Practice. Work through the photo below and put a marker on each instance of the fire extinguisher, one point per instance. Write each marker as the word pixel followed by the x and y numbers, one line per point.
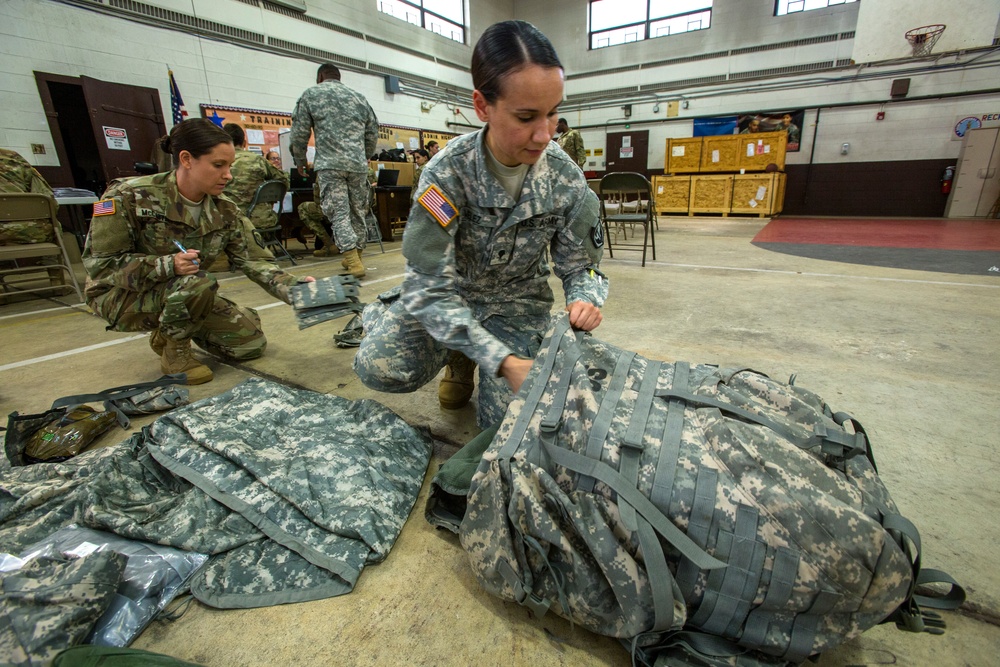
pixel 949 175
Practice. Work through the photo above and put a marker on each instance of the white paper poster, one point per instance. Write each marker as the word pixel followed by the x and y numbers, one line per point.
pixel 715 155
pixel 677 151
pixel 625 152
pixel 761 192
pixel 753 203
pixel 255 137
pixel 750 150
pixel 117 138
pixel 626 141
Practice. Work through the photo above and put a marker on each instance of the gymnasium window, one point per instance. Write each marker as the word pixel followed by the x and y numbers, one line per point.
pixel 782 7
pixel 614 22
pixel 443 17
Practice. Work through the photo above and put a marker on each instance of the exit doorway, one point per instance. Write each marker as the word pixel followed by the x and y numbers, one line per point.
pixel 100 129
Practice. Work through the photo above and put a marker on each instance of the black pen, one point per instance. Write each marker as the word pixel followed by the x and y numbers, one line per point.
pixel 183 249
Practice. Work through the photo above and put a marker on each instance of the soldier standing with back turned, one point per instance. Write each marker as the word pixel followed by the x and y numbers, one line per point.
pixel 346 131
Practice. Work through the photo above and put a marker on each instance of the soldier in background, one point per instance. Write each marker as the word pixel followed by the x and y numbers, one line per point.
pixel 17 175
pixel 249 170
pixel 151 238
pixel 490 212
pixel 432 148
pixel 571 142
pixel 346 131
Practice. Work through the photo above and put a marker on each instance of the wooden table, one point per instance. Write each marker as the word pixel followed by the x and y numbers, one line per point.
pixel 391 203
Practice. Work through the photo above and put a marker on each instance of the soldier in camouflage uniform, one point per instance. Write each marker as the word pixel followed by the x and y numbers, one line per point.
pixel 138 281
pixel 249 170
pixel 571 142
pixel 490 208
pixel 346 132
pixel 17 175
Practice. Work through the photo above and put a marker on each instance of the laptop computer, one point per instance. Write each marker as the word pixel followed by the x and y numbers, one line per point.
pixel 387 178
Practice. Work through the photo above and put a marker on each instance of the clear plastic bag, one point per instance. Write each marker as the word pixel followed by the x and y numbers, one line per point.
pixel 154 576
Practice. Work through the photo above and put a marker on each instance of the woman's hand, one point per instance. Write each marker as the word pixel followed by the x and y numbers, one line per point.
pixel 514 370
pixel 186 263
pixel 584 315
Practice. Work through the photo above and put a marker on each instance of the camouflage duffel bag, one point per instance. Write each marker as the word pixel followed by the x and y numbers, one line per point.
pixel 702 516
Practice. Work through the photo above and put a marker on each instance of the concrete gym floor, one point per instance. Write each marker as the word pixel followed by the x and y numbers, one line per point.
pixel 912 354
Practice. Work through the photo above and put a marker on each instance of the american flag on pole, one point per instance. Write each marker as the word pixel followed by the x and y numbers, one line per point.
pixel 438 205
pixel 176 102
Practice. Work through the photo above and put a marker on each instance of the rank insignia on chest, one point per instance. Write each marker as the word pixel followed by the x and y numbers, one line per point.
pixel 104 207
pixel 438 205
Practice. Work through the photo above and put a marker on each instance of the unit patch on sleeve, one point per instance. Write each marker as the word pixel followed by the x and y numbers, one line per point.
pixel 104 207
pixel 438 205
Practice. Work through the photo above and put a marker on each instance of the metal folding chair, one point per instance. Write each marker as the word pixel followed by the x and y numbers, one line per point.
pixel 272 238
pixel 617 189
pixel 14 269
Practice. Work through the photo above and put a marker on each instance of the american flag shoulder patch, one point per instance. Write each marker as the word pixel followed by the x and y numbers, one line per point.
pixel 438 205
pixel 104 207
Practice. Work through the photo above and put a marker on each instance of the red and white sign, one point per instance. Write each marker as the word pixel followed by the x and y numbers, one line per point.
pixel 117 138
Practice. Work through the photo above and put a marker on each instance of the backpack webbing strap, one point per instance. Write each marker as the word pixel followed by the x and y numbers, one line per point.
pixel 779 592
pixel 840 445
pixel 661 581
pixel 606 413
pixel 630 451
pixel 725 605
pixel 670 441
pixel 806 626
pixel 107 396
pixel 538 387
pixel 699 522
pixel 608 475
pixel 538 606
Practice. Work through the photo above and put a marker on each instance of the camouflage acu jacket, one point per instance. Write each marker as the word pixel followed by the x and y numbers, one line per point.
pixel 131 246
pixel 480 253
pixel 17 175
pixel 250 170
pixel 572 143
pixel 345 126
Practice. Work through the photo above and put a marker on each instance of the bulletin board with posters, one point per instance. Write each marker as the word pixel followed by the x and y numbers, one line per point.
pixel 392 137
pixel 260 126
pixel 441 137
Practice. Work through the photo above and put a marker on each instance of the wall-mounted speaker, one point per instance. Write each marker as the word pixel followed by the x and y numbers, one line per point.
pixel 391 83
pixel 900 88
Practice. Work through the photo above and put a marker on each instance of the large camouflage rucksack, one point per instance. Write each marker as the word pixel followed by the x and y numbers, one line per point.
pixel 702 516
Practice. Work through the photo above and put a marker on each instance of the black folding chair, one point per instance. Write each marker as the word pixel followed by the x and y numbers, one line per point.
pixel 622 188
pixel 272 238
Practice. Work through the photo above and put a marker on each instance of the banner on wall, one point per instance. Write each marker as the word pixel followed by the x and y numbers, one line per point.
pixel 770 121
pixel 261 127
pixel 441 137
pixel 775 121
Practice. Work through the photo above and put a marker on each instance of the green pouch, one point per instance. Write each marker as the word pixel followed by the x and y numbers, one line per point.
pixel 67 435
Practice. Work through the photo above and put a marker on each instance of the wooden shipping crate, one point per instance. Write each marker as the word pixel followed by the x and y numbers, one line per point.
pixel 779 193
pixel 721 153
pixel 759 149
pixel 754 193
pixel 671 194
pixel 683 155
pixel 711 194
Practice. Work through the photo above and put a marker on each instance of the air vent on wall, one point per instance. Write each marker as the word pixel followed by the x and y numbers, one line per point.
pixel 320 54
pixel 778 71
pixel 785 45
pixel 602 94
pixel 396 47
pixel 176 18
pixel 684 83
pixel 685 59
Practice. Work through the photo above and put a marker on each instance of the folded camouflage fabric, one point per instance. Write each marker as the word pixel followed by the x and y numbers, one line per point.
pixel 291 491
pixel 325 299
pixel 446 503
pixel 51 604
pixel 351 334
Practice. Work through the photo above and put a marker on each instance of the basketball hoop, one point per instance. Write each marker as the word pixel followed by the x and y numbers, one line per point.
pixel 924 38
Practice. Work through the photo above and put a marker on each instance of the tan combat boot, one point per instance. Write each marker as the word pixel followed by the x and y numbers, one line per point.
pixel 344 263
pixel 329 248
pixel 456 386
pixel 176 358
pixel 352 262
pixel 157 341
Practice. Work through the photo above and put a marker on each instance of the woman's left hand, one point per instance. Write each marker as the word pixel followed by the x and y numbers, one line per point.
pixel 584 315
